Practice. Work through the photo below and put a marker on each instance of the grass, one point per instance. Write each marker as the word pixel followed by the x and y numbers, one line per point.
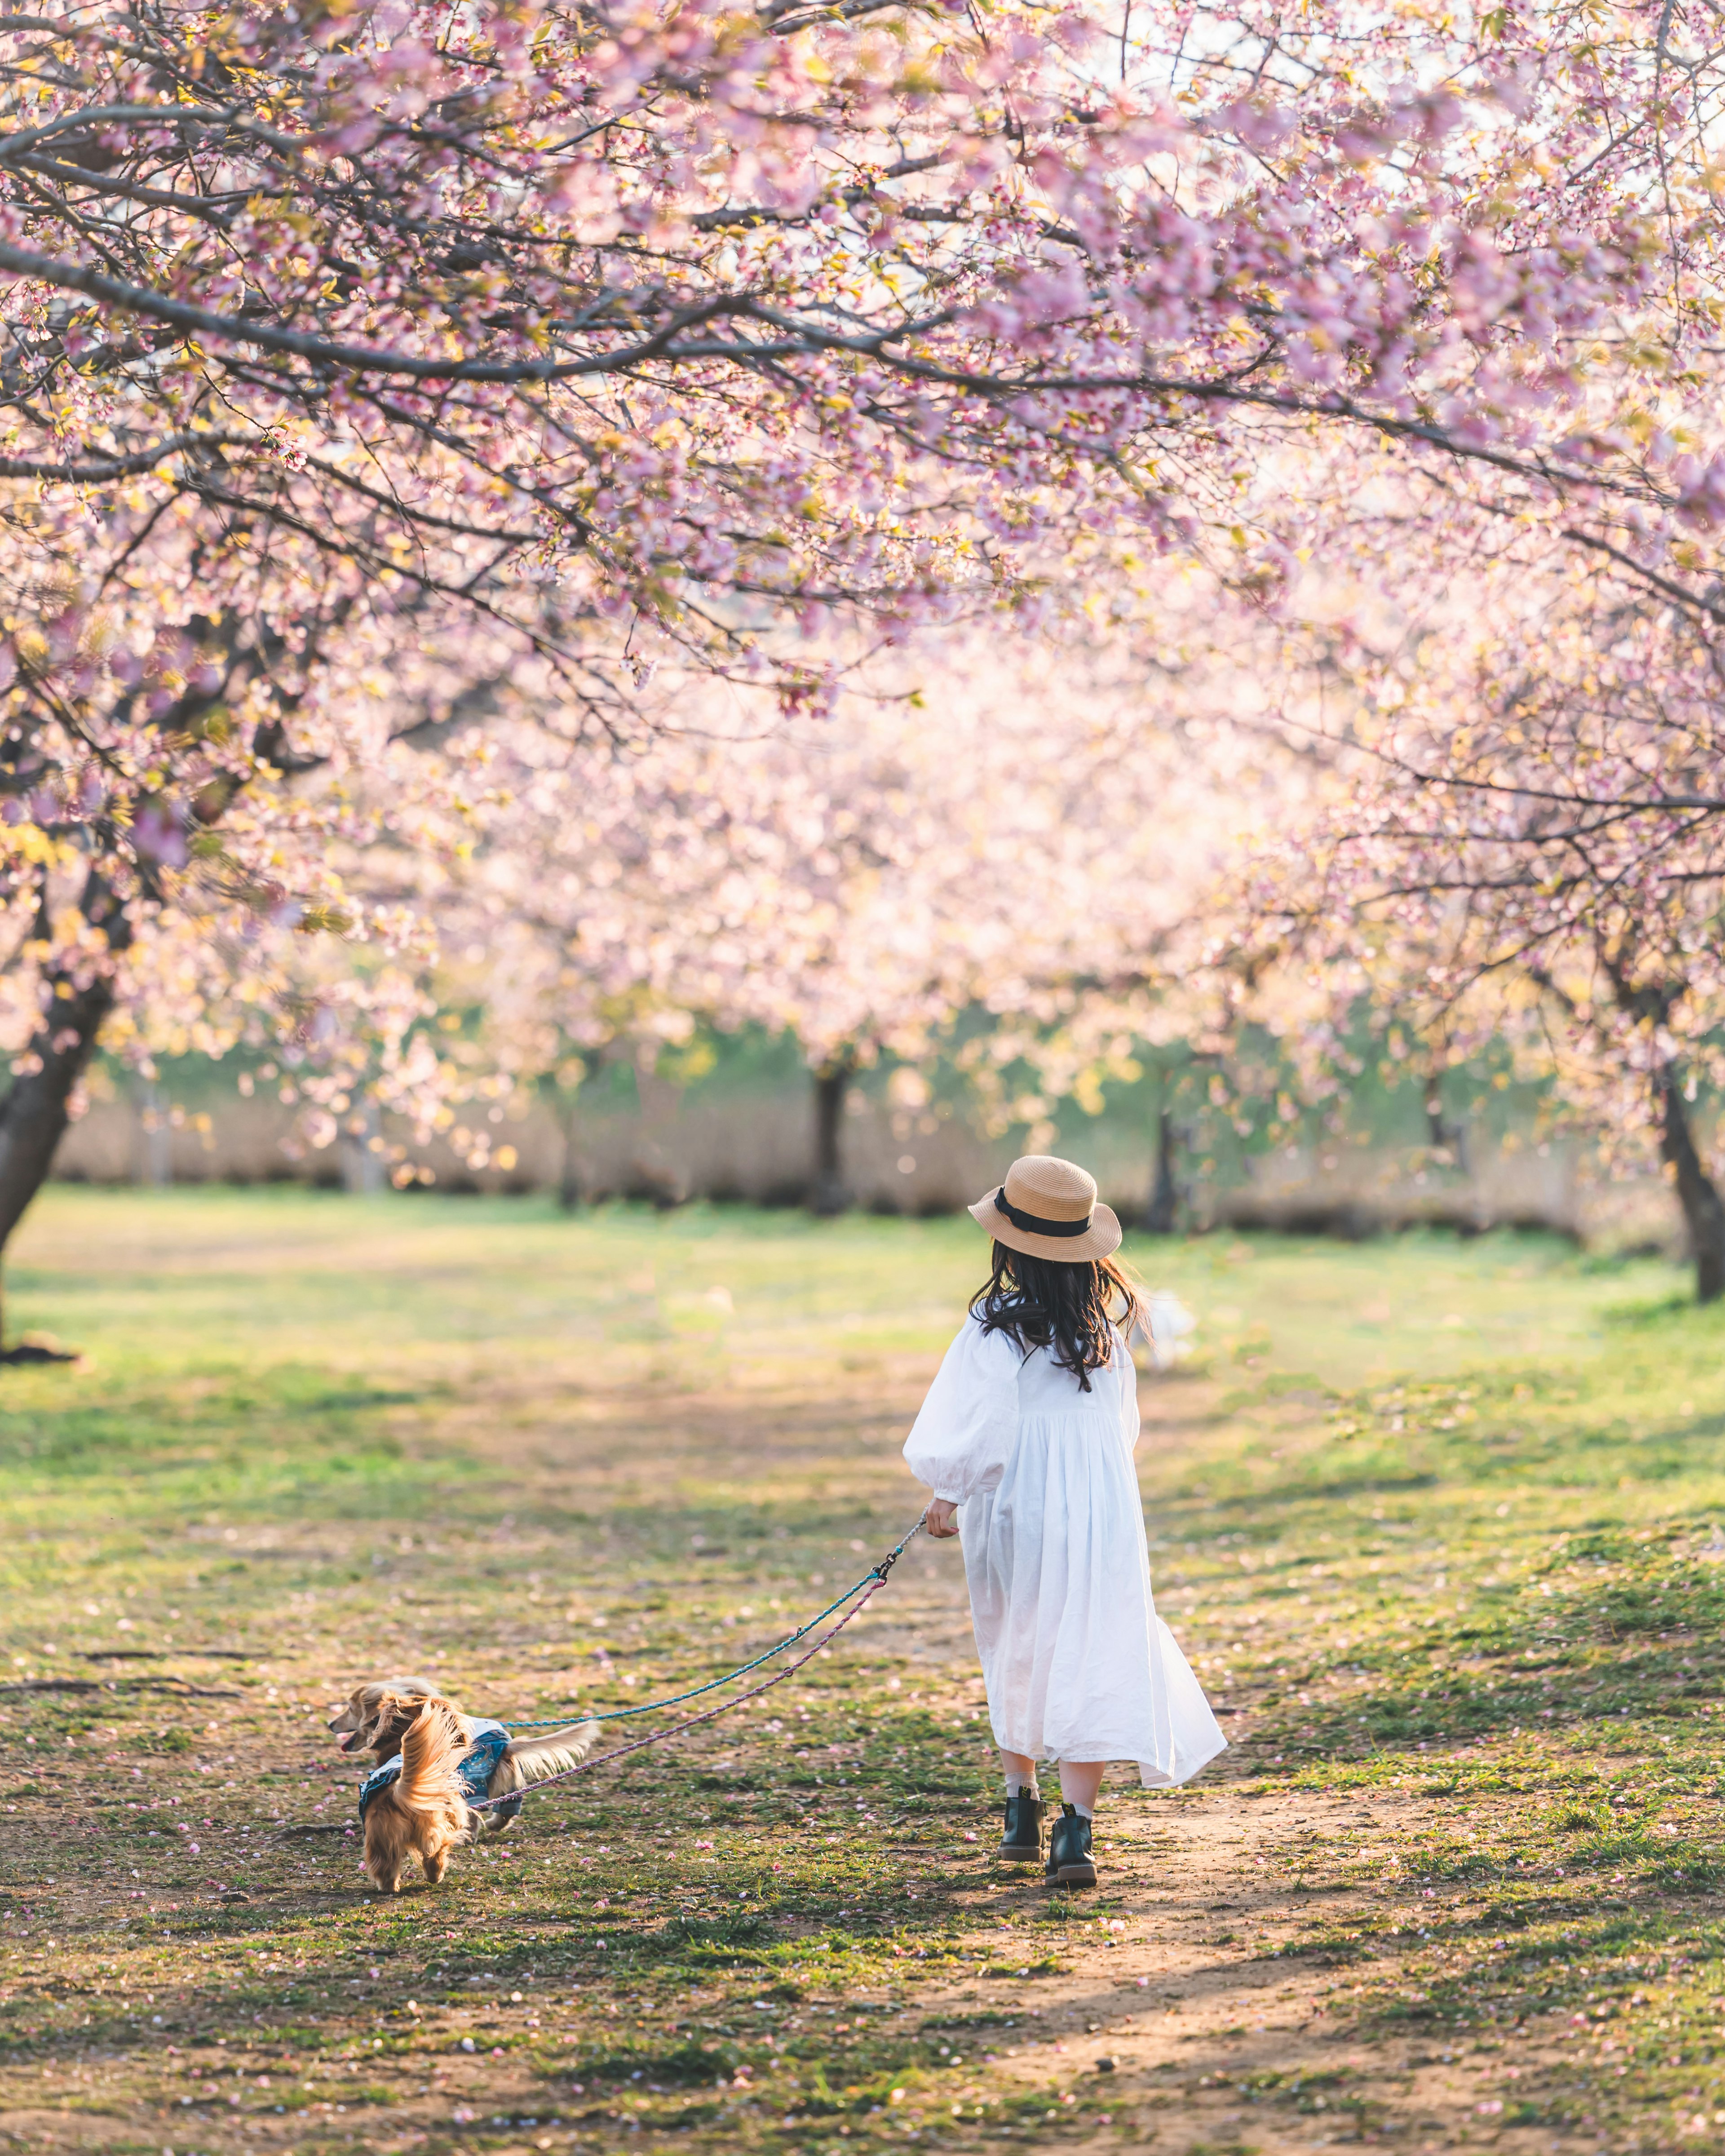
pixel 1439 1523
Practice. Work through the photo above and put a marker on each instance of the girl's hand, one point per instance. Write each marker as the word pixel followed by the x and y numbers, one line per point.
pixel 942 1519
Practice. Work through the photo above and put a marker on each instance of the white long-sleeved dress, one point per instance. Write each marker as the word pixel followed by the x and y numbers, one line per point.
pixel 1078 1665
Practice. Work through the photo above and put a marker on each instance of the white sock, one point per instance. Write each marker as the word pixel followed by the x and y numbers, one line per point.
pixel 1084 1811
pixel 1014 1783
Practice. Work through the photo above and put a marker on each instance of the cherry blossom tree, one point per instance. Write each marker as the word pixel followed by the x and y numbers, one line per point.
pixel 1018 833
pixel 1528 845
pixel 376 374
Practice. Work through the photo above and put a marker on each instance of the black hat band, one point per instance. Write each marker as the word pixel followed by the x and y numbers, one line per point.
pixel 1028 1222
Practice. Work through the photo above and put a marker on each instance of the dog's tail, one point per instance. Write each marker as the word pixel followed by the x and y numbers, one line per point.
pixel 431 1751
pixel 407 1695
pixel 535 1758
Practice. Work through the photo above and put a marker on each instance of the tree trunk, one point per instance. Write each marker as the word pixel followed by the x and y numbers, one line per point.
pixel 37 1108
pixel 831 1084
pixel 1442 1134
pixel 155 1164
pixel 1650 1004
pixel 36 1111
pixel 35 1114
pixel 1163 1214
pixel 572 1192
pixel 364 1171
pixel 1703 1211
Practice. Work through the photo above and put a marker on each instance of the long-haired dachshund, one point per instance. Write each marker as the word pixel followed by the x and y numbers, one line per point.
pixel 435 1764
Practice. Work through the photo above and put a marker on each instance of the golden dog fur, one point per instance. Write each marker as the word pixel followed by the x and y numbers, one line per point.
pixel 410 1716
pixel 423 1812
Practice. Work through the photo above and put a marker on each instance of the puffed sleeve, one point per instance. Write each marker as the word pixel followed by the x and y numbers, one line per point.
pixel 960 1439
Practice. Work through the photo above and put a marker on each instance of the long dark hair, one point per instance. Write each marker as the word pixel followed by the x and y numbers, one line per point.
pixel 1053 1302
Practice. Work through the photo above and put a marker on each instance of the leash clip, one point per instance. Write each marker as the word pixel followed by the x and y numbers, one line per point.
pixel 892 1557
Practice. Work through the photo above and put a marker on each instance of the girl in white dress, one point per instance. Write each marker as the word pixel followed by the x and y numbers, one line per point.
pixel 1026 1439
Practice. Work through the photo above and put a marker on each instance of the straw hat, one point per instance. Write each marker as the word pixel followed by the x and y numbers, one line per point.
pixel 1049 1208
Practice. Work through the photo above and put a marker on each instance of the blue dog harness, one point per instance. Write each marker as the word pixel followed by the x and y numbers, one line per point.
pixel 478 1763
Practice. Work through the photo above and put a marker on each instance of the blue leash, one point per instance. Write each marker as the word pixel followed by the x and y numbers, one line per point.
pixel 873 1577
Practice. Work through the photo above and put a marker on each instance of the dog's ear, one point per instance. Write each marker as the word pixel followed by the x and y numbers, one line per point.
pixel 361 1704
pixel 372 1720
pixel 353 1713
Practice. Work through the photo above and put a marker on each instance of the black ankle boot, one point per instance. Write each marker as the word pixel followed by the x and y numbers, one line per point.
pixel 1069 1858
pixel 1021 1843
